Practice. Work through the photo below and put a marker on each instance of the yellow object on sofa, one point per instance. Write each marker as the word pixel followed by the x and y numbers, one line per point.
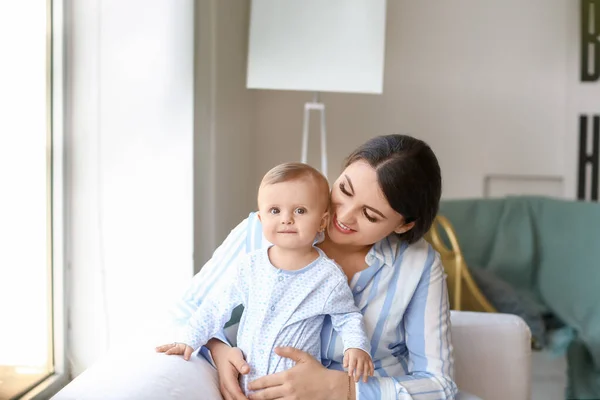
pixel 463 291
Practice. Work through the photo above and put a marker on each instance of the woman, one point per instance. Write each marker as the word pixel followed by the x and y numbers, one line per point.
pixel 382 204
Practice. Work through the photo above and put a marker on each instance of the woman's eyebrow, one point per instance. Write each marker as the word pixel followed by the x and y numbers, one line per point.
pixel 376 211
pixel 349 183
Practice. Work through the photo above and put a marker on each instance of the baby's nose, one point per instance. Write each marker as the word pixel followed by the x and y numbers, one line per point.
pixel 286 218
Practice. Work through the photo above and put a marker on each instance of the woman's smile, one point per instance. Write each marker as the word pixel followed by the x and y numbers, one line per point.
pixel 341 227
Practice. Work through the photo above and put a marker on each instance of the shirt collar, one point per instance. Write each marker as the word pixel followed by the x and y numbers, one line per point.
pixel 386 250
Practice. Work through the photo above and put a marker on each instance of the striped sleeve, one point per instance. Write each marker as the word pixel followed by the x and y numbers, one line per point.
pixel 223 262
pixel 427 326
pixel 215 310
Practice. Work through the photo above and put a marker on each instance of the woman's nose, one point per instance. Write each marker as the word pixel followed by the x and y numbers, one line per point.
pixel 345 215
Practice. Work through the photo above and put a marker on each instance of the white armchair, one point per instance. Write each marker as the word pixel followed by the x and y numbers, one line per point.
pixel 492 361
pixel 492 355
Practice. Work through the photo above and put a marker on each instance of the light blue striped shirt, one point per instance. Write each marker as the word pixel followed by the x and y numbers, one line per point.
pixel 403 297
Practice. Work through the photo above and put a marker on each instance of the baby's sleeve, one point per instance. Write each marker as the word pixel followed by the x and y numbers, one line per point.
pixel 346 318
pixel 215 310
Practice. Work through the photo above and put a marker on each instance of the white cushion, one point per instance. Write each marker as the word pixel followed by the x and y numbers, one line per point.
pixel 492 360
pixel 145 375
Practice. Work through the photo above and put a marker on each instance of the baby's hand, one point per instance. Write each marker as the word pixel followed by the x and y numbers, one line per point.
pixel 176 348
pixel 358 363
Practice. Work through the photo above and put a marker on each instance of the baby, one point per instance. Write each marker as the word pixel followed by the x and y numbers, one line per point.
pixel 286 289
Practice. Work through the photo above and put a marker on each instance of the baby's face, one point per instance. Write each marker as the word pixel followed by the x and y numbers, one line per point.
pixel 292 212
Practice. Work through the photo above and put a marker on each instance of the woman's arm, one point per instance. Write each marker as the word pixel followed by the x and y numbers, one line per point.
pixel 427 327
pixel 222 263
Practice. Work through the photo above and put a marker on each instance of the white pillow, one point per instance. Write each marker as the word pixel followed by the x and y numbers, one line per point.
pixel 145 375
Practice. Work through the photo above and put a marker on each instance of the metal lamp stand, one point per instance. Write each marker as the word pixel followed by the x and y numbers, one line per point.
pixel 308 107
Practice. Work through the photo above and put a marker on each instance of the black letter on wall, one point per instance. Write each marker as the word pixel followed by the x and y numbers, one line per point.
pixel 585 158
pixel 590 31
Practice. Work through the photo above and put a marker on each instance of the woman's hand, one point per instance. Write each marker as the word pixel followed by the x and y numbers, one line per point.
pixel 307 380
pixel 230 364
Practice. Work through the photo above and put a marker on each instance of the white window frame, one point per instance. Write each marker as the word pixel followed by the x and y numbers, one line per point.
pixel 56 263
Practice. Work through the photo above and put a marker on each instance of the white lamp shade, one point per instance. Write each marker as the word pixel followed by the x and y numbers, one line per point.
pixel 317 45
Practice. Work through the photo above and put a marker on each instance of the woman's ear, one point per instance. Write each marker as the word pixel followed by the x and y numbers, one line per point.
pixel 324 221
pixel 404 228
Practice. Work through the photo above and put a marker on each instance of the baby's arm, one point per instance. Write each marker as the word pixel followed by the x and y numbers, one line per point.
pixel 348 322
pixel 210 316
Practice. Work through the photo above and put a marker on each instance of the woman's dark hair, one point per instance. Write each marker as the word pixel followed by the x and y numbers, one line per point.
pixel 409 176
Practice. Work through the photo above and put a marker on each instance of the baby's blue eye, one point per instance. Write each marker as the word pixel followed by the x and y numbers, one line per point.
pixel 300 210
pixel 274 210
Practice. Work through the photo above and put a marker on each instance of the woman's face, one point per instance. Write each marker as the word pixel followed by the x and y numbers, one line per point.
pixel 360 213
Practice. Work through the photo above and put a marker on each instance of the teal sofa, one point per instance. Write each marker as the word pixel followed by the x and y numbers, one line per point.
pixel 549 249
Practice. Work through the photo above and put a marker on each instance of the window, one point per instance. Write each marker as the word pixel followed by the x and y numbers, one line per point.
pixel 28 303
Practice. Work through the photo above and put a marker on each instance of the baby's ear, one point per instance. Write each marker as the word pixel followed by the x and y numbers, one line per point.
pixel 258 215
pixel 324 221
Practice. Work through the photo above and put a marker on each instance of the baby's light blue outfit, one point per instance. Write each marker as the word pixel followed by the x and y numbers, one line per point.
pixel 281 308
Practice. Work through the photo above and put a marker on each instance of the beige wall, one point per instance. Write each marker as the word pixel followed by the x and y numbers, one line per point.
pixel 484 83
pixel 492 86
pixel 224 148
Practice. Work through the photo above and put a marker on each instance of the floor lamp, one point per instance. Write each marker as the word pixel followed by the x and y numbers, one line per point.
pixel 317 46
